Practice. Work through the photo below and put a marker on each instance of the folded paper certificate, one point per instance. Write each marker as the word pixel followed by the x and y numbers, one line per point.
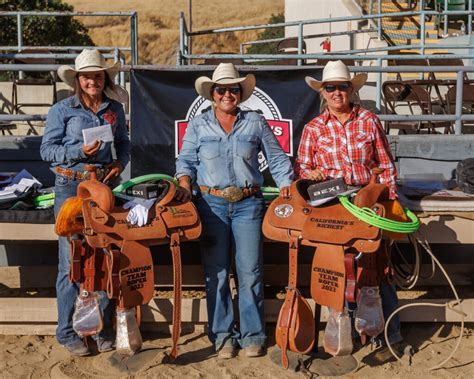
pixel 100 133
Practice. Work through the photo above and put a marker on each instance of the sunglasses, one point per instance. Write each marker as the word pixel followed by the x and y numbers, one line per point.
pixel 344 87
pixel 222 90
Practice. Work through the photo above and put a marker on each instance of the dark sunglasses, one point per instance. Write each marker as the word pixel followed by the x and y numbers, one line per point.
pixel 344 87
pixel 222 90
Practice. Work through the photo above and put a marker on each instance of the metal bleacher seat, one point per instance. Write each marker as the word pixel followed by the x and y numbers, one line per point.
pixel 33 79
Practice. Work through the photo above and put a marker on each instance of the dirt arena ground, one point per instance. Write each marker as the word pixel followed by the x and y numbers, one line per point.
pixel 42 357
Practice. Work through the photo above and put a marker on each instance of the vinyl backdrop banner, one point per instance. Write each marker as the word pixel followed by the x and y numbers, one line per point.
pixel 164 101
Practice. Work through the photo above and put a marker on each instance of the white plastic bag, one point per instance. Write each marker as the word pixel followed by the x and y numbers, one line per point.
pixel 87 317
pixel 337 335
pixel 369 319
pixel 129 340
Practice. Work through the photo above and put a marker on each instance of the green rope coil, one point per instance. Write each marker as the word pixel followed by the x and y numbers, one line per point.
pixel 141 179
pixel 370 217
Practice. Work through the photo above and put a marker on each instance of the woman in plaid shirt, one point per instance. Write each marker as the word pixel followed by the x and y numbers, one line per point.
pixel 348 141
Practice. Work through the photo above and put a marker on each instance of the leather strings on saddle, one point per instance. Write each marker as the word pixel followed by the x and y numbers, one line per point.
pixel 349 255
pixel 110 254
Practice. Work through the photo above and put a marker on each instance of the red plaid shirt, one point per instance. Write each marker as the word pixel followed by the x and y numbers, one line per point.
pixel 349 151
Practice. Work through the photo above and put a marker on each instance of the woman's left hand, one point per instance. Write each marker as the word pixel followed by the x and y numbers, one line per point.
pixel 114 169
pixel 285 191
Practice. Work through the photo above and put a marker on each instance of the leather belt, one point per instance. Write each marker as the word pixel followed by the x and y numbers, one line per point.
pixel 80 175
pixel 231 194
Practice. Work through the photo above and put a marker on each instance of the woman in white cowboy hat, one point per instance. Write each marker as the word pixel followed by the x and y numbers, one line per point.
pixel 219 157
pixel 347 141
pixel 63 146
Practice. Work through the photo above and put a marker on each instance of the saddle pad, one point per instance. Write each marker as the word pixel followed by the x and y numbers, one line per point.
pixel 162 219
pixel 333 224
pixel 135 275
pixel 328 276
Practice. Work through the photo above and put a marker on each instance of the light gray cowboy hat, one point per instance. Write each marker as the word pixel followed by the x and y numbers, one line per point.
pixel 336 71
pixel 93 60
pixel 225 73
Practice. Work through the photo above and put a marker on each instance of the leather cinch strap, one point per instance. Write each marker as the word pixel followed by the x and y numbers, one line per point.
pixel 287 308
pixel 176 253
pixel 349 265
pixel 113 269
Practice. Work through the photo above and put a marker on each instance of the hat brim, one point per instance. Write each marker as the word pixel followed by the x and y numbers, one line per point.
pixel 68 74
pixel 117 93
pixel 357 82
pixel 204 84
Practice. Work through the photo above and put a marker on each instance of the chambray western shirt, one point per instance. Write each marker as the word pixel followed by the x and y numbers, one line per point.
pixel 62 140
pixel 214 158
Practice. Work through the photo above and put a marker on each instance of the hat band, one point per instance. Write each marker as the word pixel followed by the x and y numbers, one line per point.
pixel 226 77
pixel 92 65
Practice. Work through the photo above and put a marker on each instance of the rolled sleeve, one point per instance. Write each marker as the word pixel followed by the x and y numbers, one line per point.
pixel 278 162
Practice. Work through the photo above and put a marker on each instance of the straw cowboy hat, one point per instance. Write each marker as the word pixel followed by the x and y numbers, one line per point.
pixel 336 71
pixel 225 73
pixel 93 60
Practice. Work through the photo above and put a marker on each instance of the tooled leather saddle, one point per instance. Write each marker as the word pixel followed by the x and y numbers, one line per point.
pixel 110 254
pixel 340 239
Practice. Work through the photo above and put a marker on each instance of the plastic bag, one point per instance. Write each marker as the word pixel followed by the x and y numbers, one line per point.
pixel 87 317
pixel 129 340
pixel 337 335
pixel 369 314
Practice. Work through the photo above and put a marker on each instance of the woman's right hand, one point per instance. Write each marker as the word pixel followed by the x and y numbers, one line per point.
pixel 92 149
pixel 183 194
pixel 316 175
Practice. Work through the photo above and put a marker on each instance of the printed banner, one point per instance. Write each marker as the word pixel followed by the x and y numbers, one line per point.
pixel 164 101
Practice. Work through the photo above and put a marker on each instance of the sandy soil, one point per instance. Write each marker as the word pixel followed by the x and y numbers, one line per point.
pixel 42 357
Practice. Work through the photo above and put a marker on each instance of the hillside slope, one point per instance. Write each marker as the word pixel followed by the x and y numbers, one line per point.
pixel 158 23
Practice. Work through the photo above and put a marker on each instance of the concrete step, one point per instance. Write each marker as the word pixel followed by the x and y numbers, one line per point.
pixel 413 41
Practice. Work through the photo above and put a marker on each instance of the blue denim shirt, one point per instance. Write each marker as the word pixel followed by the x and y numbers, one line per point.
pixel 213 158
pixel 62 140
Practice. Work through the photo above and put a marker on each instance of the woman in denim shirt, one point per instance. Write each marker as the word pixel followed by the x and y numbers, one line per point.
pixel 220 155
pixel 63 146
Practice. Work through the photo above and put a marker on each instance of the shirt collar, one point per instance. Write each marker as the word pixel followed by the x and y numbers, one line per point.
pixel 354 113
pixel 76 103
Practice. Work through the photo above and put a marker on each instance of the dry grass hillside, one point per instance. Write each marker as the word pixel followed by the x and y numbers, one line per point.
pixel 158 22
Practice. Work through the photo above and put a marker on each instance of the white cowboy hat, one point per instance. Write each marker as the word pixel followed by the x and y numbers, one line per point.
pixel 336 71
pixel 93 60
pixel 225 73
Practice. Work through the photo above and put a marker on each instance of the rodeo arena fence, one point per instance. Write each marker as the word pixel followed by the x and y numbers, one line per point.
pixel 438 138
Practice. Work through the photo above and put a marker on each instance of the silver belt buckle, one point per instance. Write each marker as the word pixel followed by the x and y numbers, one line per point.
pixel 232 194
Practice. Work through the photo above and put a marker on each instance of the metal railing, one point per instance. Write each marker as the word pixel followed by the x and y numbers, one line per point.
pixel 185 37
pixel 133 48
pixel 458 117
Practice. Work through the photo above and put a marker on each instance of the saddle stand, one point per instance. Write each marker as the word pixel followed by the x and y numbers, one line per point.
pixel 112 255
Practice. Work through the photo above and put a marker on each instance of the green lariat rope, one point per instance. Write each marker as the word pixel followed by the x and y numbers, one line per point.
pixel 141 179
pixel 370 217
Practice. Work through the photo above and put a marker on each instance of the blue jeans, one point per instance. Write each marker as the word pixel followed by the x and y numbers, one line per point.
pixel 240 223
pixel 67 292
